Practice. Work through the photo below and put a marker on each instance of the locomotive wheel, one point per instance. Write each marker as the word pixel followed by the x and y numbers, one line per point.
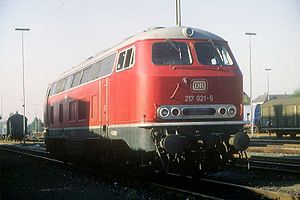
pixel 279 135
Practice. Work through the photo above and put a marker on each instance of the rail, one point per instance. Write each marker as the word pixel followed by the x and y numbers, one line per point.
pixel 274 164
pixel 214 189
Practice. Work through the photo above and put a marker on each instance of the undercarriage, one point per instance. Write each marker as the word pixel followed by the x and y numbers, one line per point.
pixel 194 151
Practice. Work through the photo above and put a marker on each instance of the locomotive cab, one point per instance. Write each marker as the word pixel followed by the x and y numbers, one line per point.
pixel 201 102
pixel 189 98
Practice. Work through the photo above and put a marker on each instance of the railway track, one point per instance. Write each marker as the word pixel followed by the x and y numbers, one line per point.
pixel 32 153
pixel 201 188
pixel 257 141
pixel 275 155
pixel 214 189
pixel 288 165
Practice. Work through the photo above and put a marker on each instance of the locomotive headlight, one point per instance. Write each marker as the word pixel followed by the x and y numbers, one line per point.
pixel 188 32
pixel 175 112
pixel 164 112
pixel 222 111
pixel 231 111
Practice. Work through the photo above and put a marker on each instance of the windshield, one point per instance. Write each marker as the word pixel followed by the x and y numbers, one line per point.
pixel 171 53
pixel 210 53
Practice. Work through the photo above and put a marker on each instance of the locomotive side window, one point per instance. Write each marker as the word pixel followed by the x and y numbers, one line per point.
pixel 94 71
pixel 132 59
pixel 76 79
pixel 106 65
pixel 121 61
pixel 90 73
pixel 60 86
pixel 99 69
pixel 48 92
pixel 57 88
pixel 52 89
pixel 86 77
pixel 171 53
pixel 209 53
pixel 126 59
pixel 68 82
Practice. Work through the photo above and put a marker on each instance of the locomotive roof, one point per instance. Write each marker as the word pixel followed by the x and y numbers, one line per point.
pixel 284 101
pixel 151 33
pixel 173 33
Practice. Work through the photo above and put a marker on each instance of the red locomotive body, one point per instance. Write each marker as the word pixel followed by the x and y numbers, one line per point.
pixel 171 93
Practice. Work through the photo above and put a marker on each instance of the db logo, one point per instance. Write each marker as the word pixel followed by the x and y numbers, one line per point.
pixel 199 85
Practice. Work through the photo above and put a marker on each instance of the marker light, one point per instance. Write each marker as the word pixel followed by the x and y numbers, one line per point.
pixel 175 112
pixel 222 111
pixel 164 112
pixel 231 111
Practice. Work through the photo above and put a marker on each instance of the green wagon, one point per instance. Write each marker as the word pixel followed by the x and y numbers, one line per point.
pixel 281 116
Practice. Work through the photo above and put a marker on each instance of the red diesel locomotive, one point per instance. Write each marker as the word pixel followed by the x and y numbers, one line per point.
pixel 166 96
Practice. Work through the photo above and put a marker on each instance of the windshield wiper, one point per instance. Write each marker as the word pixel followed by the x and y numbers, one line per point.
pixel 217 50
pixel 176 48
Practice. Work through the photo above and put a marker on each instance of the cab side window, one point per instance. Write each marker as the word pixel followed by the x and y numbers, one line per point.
pixel 126 59
pixel 121 61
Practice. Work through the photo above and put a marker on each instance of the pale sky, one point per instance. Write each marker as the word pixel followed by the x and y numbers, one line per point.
pixel 66 32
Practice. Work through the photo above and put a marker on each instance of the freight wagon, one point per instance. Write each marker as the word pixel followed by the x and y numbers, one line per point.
pixel 281 116
pixel 15 127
